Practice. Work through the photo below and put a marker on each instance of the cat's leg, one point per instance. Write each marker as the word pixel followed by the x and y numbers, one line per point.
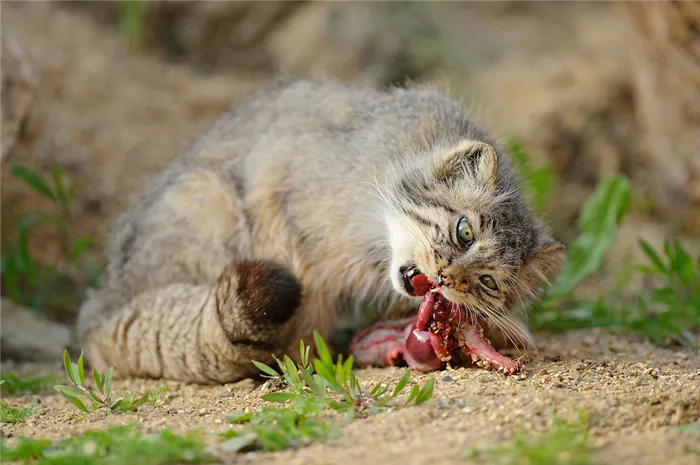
pixel 183 297
pixel 197 333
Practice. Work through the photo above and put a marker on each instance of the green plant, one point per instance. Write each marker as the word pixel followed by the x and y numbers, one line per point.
pixel 274 428
pixel 133 19
pixel 538 181
pixel 117 445
pixel 335 385
pixel 15 415
pixel 598 225
pixel 13 384
pixel 24 279
pixel 565 443
pixel 671 310
pixel 129 401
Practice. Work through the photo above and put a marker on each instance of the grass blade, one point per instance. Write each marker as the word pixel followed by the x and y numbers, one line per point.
pixel 653 256
pixel 98 380
pixel 81 370
pixel 413 395
pixel 108 384
pixel 266 369
pixel 67 364
pixel 78 403
pixel 427 392
pixel 34 180
pixel 322 349
pixel 402 383
pixel 69 390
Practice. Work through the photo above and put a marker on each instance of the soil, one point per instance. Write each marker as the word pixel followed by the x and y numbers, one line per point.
pixel 636 394
pixel 554 75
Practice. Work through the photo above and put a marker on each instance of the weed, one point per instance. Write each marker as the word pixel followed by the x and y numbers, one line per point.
pixel 671 310
pixel 13 384
pixel 313 387
pixel 538 181
pixel 24 279
pixel 129 401
pixel 15 415
pixel 334 385
pixel 117 445
pixel 565 443
pixel 274 428
pixel 133 19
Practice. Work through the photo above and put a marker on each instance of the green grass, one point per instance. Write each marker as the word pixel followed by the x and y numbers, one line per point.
pixel 13 384
pixel 133 23
pixel 667 311
pixel 334 385
pixel 15 415
pixel 314 388
pixel 118 445
pixel 565 443
pixel 39 285
pixel 128 402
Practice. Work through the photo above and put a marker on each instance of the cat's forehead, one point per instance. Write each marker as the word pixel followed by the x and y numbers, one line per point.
pixel 513 231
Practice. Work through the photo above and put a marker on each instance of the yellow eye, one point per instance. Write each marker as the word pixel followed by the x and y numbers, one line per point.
pixel 489 282
pixel 464 233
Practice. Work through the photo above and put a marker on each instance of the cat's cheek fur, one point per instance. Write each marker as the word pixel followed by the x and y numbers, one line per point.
pixel 402 242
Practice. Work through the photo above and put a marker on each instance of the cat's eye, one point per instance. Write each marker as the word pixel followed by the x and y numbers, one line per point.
pixel 464 233
pixel 489 282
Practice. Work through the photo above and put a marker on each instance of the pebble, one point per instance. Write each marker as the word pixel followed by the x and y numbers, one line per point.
pixel 447 379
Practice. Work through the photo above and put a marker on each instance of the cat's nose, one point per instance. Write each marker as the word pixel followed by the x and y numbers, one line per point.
pixel 445 280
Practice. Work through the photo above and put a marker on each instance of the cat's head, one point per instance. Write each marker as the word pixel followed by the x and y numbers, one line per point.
pixel 463 221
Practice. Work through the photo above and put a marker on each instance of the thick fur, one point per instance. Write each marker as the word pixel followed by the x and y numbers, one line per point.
pixel 310 194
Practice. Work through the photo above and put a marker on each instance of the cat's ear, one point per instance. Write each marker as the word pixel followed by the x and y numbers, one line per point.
pixel 546 265
pixel 469 158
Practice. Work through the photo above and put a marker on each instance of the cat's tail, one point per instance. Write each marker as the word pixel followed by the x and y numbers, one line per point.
pixel 195 333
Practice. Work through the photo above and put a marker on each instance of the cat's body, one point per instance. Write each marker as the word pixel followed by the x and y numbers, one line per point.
pixel 290 206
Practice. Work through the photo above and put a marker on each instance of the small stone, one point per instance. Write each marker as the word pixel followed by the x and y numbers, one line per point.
pixel 447 379
pixel 203 411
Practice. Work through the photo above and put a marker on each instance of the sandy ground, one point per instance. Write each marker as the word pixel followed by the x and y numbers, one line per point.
pixel 637 395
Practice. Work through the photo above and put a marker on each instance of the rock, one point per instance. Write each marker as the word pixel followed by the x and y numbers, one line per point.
pixel 28 337
pixel 18 88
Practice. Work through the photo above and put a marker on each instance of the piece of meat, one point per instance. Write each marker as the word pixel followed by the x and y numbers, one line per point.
pixel 440 334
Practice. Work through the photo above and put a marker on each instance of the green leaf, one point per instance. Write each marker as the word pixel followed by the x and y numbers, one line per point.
pixel 291 371
pixel 81 370
pixel 58 182
pixel 34 180
pixel 653 256
pixel 280 397
pixel 322 349
pixel 98 380
pixel 67 364
pixel 598 223
pixel 117 405
pixel 402 383
pixel 108 383
pixel 413 395
pixel 266 369
pixel 142 400
pixel 69 390
pixel 239 417
pixel 78 403
pixel 427 392
pixel 80 246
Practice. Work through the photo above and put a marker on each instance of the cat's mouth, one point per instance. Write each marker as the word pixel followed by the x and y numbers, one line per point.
pixel 414 282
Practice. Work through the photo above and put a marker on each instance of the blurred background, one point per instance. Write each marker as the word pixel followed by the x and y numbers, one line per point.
pixel 97 96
